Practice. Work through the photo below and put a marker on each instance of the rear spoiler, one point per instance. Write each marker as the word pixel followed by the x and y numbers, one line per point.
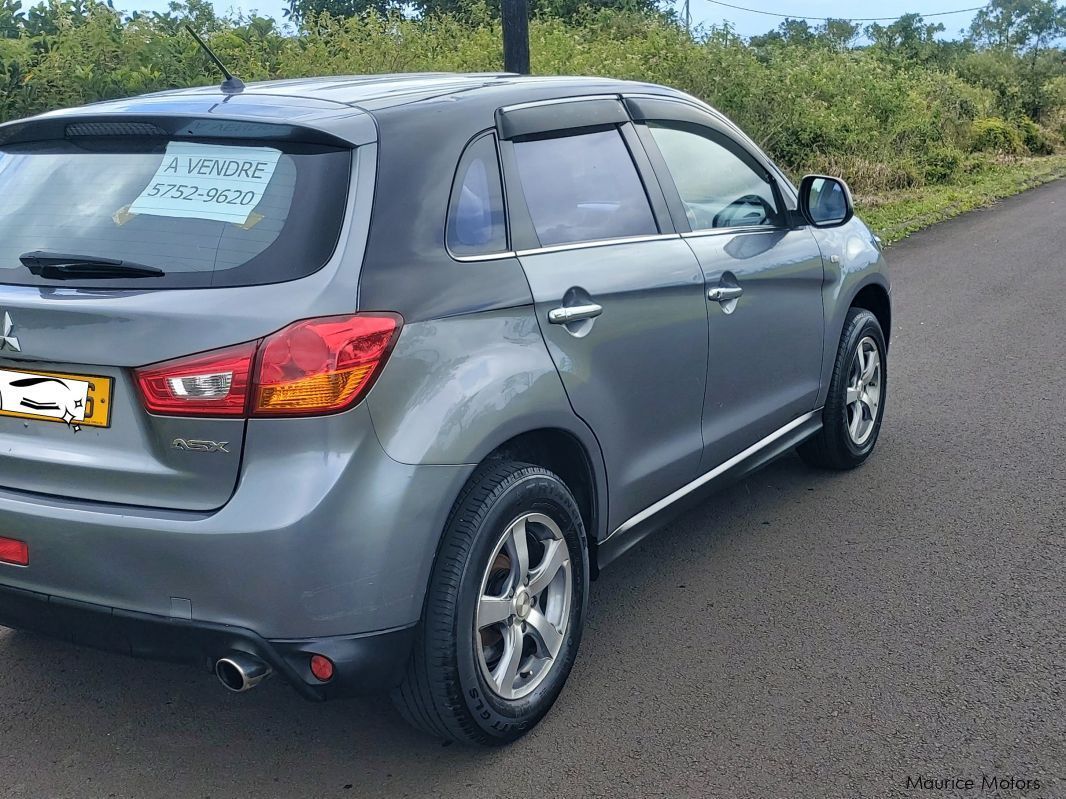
pixel 348 129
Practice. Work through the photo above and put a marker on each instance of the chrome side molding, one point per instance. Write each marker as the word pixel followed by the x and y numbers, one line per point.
pixel 717 471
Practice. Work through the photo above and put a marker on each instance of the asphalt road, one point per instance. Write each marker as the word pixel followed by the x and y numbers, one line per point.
pixel 802 634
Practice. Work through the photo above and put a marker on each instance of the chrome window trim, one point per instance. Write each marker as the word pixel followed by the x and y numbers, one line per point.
pixel 491 256
pixel 585 245
pixel 707 477
pixel 731 231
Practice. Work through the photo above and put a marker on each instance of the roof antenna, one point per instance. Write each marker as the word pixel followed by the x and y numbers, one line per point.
pixel 232 84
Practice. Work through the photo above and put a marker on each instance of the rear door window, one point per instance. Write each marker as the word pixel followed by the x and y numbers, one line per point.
pixel 583 187
pixel 207 214
pixel 476 224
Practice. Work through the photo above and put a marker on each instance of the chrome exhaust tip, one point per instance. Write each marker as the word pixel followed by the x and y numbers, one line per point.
pixel 240 672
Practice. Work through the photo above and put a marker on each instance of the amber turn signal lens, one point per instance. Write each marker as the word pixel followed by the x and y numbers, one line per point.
pixel 322 365
pixel 316 391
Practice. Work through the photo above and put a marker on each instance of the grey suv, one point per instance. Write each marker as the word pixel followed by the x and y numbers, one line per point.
pixel 359 381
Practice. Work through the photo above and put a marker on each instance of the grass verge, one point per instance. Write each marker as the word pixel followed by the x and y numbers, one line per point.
pixel 896 216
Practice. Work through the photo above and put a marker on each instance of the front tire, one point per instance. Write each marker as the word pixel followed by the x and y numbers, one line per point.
pixel 851 419
pixel 504 611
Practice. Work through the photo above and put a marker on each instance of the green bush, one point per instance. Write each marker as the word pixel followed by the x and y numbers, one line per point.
pixel 942 164
pixel 994 135
pixel 977 164
pixel 1035 139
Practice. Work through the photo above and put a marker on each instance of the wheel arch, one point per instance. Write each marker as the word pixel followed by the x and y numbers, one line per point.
pixel 577 462
pixel 867 289
pixel 874 298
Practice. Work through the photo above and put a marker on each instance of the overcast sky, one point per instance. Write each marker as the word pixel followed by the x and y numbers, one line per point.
pixel 746 24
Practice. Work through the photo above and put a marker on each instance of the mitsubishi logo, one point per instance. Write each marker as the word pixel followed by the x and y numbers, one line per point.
pixel 8 341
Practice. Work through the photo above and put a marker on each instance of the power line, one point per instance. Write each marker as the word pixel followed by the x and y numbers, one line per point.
pixel 849 19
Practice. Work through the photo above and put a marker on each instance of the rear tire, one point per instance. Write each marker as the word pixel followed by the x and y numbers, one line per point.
pixel 851 419
pixel 504 611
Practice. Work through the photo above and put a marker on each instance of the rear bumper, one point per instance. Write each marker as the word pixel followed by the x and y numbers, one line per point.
pixel 325 536
pixel 363 663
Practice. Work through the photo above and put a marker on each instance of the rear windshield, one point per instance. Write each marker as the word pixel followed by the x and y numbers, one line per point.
pixel 209 214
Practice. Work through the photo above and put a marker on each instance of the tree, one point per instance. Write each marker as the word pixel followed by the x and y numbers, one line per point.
pixel 302 9
pixel 910 37
pixel 1023 25
pixel 837 34
pixel 200 14
pixel 43 18
pixel 1030 28
pixel 12 20
pixel 791 31
pixel 564 9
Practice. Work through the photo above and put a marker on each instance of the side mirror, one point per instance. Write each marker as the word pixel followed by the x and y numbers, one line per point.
pixel 825 202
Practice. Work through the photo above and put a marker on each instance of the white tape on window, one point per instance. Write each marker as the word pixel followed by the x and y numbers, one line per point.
pixel 208 181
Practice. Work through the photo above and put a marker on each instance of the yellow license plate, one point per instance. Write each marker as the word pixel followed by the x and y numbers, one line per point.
pixel 53 397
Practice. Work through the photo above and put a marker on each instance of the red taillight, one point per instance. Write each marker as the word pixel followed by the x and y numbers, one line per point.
pixel 321 365
pixel 310 367
pixel 210 384
pixel 17 553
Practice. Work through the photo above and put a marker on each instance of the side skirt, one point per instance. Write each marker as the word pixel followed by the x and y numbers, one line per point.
pixel 636 529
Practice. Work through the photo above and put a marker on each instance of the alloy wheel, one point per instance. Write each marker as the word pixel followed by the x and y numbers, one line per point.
pixel 864 391
pixel 524 606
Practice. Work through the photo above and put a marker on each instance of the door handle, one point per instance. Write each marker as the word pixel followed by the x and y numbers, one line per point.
pixel 574 313
pixel 724 293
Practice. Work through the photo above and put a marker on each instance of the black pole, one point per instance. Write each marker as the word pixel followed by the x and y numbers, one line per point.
pixel 515 14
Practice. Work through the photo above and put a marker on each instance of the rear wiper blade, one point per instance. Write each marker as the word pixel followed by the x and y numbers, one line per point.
pixel 64 266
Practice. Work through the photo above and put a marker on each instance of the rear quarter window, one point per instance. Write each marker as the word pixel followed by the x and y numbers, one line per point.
pixel 476 222
pixel 204 223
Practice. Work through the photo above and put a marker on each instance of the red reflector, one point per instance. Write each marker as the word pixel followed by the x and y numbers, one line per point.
pixel 15 552
pixel 322 668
